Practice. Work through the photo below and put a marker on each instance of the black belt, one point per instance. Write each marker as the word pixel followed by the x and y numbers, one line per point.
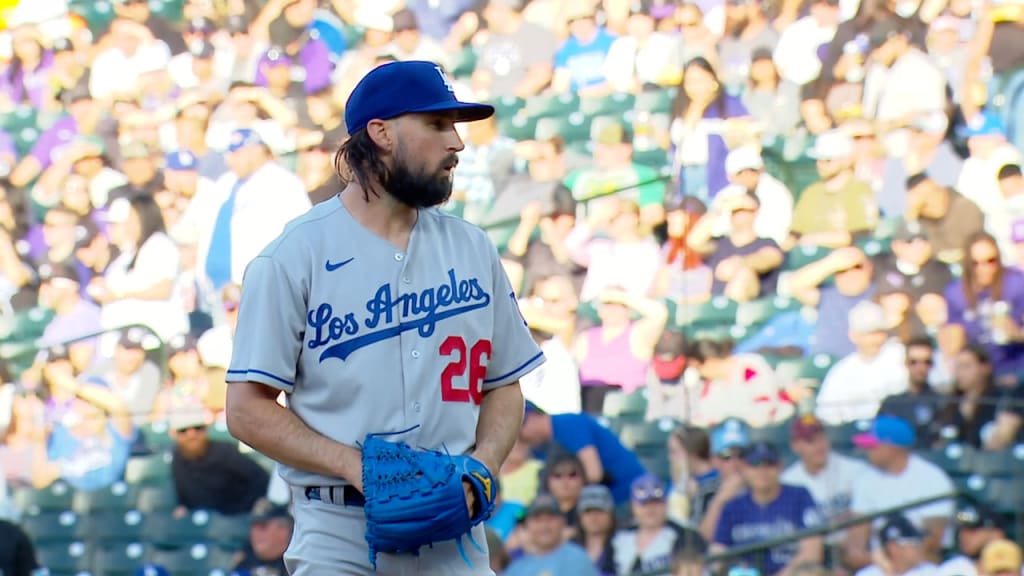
pixel 349 495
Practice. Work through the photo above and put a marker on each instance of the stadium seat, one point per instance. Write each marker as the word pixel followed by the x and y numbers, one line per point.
pixel 519 127
pixel 170 10
pixel 801 256
pixel 657 101
pixel 718 311
pixel 98 14
pixel 18 119
pixel 64 558
pixel 230 532
pixel 956 459
pixel 1004 494
pixel 656 464
pixel 573 127
pixel 191 560
pixel 48 527
pixel 813 369
pixel 166 532
pixel 758 312
pixel 1002 463
pixel 507 106
pixel 149 470
pixel 121 560
pixel 54 498
pixel 633 406
pixel 647 435
pixel 219 431
pixel 154 498
pixel 118 497
pixel 464 63
pixel 545 106
pixel 777 434
pixel 113 527
pixel 614 104
pixel 717 333
pixel 875 246
pixel 28 325
pixel 654 157
pixel 841 436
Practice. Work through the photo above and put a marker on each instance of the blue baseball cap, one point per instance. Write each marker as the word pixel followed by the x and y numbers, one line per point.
pixel 181 160
pixel 396 88
pixel 647 488
pixel 985 123
pixel 243 137
pixel 761 454
pixel 887 430
pixel 731 433
pixel 152 570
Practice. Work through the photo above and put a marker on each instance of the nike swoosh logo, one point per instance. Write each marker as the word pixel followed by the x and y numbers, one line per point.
pixel 332 267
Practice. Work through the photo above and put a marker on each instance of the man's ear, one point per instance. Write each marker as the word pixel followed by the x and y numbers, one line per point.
pixel 382 134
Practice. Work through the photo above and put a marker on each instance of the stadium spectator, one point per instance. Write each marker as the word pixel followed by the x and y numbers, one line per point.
pixel 648 547
pixel 549 552
pixel 615 355
pixel 692 477
pixel 270 531
pixel 969 416
pixel 1000 558
pixel 912 280
pixel 211 474
pixel 74 316
pixel 948 218
pixel 743 386
pixel 530 255
pixel 605 460
pixel 929 152
pixel 597 527
pixel 579 61
pixel 130 375
pixel 17 552
pixel 897 477
pixel 769 509
pixel 745 264
pixel 682 278
pixel 187 384
pixel 977 526
pixel 856 385
pixel 1009 417
pixel 667 395
pixel 921 404
pixel 563 478
pixel 901 551
pixel 515 57
pixel 643 57
pixel 718 486
pixel 827 474
pixel 838 209
pixel 519 477
pixel 746 171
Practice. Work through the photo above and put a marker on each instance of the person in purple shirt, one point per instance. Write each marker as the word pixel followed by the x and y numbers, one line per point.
pixel 310 56
pixel 767 510
pixel 435 19
pixel 26 81
pixel 986 306
pixel 83 116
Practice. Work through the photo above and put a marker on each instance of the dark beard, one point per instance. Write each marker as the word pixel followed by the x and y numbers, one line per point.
pixel 416 190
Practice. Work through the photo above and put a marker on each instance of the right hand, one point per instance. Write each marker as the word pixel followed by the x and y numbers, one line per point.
pixel 531 214
pixel 846 257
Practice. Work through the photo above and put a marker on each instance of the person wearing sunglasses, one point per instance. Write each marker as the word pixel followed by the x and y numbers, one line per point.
pixel 920 403
pixel 769 509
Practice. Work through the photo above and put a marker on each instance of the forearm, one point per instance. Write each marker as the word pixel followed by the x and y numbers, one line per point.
pixel 764 260
pixel 520 239
pixel 810 552
pixel 833 239
pixel 255 418
pixel 501 417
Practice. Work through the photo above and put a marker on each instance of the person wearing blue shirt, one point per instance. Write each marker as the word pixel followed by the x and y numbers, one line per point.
pixel 579 62
pixel 549 553
pixel 768 509
pixel 605 460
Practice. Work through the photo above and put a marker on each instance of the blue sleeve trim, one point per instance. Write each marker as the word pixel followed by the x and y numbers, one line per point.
pixel 264 374
pixel 513 372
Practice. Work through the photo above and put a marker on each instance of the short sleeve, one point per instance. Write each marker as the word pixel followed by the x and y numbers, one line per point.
pixel 955 303
pixel 573 434
pixel 514 353
pixel 271 322
pixel 809 515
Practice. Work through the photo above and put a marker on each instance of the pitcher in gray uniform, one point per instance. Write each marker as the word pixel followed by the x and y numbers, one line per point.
pixel 375 312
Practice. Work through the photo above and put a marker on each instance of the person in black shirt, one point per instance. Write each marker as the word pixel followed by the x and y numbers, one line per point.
pixel 919 405
pixel 269 534
pixel 210 474
pixel 17 554
pixel 970 415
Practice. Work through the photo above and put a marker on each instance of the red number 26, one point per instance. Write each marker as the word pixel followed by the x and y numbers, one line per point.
pixel 475 358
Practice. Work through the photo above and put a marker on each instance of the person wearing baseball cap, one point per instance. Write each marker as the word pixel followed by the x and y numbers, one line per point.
pixel 270 530
pixel 768 507
pixel 744 167
pixel 550 553
pixel 1000 558
pixel 901 546
pixel 825 473
pixel 897 477
pixel 596 510
pixel 977 525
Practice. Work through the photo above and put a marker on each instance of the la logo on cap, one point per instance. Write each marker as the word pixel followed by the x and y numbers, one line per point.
pixel 444 78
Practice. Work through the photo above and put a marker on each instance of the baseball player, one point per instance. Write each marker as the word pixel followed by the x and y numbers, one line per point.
pixel 377 313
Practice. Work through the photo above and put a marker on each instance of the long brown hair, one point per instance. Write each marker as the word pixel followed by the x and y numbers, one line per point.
pixel 971 290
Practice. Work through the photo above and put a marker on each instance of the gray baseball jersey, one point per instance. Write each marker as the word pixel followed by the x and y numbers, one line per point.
pixel 366 338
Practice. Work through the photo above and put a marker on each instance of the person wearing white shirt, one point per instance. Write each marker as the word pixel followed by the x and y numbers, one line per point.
pixel 897 477
pixel 133 50
pixel 796 54
pixel 246 209
pixel 855 386
pixel 828 475
pixel 555 387
pixel 745 170
pixel 643 57
pixel 901 548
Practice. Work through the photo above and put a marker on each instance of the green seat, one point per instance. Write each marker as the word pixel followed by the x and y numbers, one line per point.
pixel 654 157
pixel 119 496
pixel 219 431
pixel 111 527
pixel 230 532
pixel 760 311
pixel 618 103
pixel 122 560
pixel 887 227
pixel 170 10
pixel 717 333
pixel 1004 495
pixel 841 436
pixel 29 324
pixel 655 101
pixel 166 531
pixel 647 435
pixel 633 406
pixel 959 459
pixel 465 63
pixel 54 498
pixel 776 434
pixel 193 559
pixel 519 127
pixel 149 470
pixel 51 527
pixel 546 105
pixel 717 311
pixel 507 106
pixel 999 463
pixel 875 246
pixel 801 256
pixel 158 499
pixel 814 368
pixel 19 118
pixel 656 464
pixel 64 558
pixel 573 127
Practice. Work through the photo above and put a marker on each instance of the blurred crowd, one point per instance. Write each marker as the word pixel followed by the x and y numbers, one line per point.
pixel 799 216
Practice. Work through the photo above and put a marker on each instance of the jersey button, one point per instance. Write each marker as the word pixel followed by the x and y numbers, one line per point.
pixel 416 406
pixel 407 280
pixel 415 353
pixel 399 257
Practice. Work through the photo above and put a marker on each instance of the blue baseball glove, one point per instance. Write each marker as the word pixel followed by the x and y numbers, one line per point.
pixel 415 498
